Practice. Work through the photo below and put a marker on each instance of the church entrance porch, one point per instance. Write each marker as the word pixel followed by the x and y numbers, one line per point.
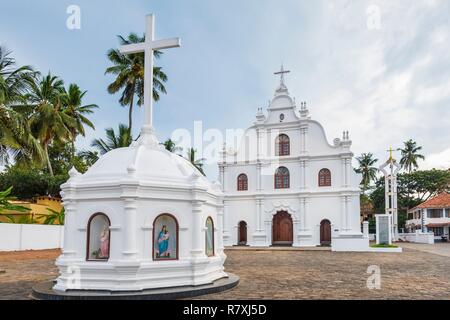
pixel 325 233
pixel 282 229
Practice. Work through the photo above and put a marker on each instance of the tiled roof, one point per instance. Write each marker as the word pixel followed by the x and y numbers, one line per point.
pixel 440 201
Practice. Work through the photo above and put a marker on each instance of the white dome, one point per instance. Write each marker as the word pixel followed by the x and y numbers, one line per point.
pixel 146 163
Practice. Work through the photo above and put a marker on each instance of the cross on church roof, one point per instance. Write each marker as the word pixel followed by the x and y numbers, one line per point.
pixel 282 72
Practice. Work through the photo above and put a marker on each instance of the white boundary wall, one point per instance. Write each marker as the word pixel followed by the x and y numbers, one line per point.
pixel 21 237
pixel 418 237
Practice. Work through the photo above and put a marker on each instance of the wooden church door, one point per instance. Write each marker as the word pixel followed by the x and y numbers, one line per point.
pixel 242 233
pixel 283 230
pixel 325 233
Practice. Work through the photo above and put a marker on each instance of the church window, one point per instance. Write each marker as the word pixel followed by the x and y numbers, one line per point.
pixel 325 178
pixel 98 238
pixel 209 237
pixel 283 145
pixel 282 178
pixel 242 182
pixel 165 238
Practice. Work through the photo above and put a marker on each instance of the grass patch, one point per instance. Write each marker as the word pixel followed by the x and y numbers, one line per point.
pixel 383 246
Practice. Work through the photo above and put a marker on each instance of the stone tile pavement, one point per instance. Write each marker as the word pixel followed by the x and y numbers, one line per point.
pixel 281 274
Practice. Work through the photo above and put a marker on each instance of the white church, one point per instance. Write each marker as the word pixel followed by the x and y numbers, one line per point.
pixel 286 185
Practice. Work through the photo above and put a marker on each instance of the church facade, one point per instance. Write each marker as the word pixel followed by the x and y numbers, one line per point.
pixel 286 185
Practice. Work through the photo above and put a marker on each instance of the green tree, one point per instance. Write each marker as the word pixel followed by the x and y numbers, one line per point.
pixel 89 157
pixel 410 155
pixel 171 146
pixel 48 120
pixel 72 100
pixel 198 163
pixel 366 168
pixel 16 139
pixel 129 72
pixel 121 140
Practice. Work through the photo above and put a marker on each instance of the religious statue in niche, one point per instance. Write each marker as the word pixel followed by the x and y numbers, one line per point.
pixel 165 238
pixel 99 238
pixel 209 237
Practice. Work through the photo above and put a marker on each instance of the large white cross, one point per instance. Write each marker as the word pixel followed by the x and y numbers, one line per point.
pixel 148 47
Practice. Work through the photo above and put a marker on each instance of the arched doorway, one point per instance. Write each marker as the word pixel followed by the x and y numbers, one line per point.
pixel 325 233
pixel 242 233
pixel 282 230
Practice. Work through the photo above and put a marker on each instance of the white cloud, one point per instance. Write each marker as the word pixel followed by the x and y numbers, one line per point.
pixel 440 160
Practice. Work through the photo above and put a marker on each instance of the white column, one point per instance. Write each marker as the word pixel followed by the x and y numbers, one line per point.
pixel 303 174
pixel 304 139
pixel 343 213
pixel 70 231
pixel 258 176
pixel 198 233
pixel 348 218
pixel 259 210
pixel 348 167
pixel 343 169
pixel 366 229
pixel 219 233
pixel 130 229
pixel 303 214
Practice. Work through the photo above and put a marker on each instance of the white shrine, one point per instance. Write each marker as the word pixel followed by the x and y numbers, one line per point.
pixel 141 217
pixel 286 185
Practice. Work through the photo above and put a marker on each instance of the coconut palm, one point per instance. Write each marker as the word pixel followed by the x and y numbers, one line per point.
pixel 74 108
pixel 410 155
pixel 5 204
pixel 121 140
pixel 55 216
pixel 366 168
pixel 171 146
pixel 48 121
pixel 89 156
pixel 15 137
pixel 129 72
pixel 198 163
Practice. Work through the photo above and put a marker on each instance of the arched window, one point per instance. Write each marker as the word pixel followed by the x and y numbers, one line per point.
pixel 282 178
pixel 324 178
pixel 165 238
pixel 242 182
pixel 283 145
pixel 209 237
pixel 98 238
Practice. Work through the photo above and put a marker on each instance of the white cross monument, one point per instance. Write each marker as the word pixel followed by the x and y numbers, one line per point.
pixel 148 47
pixel 390 170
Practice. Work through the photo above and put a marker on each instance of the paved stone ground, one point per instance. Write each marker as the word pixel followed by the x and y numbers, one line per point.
pixel 440 248
pixel 281 274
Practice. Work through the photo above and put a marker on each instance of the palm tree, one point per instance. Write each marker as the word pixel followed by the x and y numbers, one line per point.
pixel 15 136
pixel 74 108
pixel 48 120
pixel 55 216
pixel 5 204
pixel 410 155
pixel 366 168
pixel 171 146
pixel 198 163
pixel 121 140
pixel 89 156
pixel 129 72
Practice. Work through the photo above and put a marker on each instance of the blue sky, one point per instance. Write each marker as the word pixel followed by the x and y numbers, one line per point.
pixel 384 81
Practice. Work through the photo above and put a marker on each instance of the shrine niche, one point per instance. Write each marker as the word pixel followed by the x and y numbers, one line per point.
pixel 98 238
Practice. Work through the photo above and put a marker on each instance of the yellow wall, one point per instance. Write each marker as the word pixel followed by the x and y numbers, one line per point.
pixel 38 210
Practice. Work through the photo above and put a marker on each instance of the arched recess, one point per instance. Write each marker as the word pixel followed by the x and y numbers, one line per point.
pixel 98 238
pixel 165 238
pixel 209 238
